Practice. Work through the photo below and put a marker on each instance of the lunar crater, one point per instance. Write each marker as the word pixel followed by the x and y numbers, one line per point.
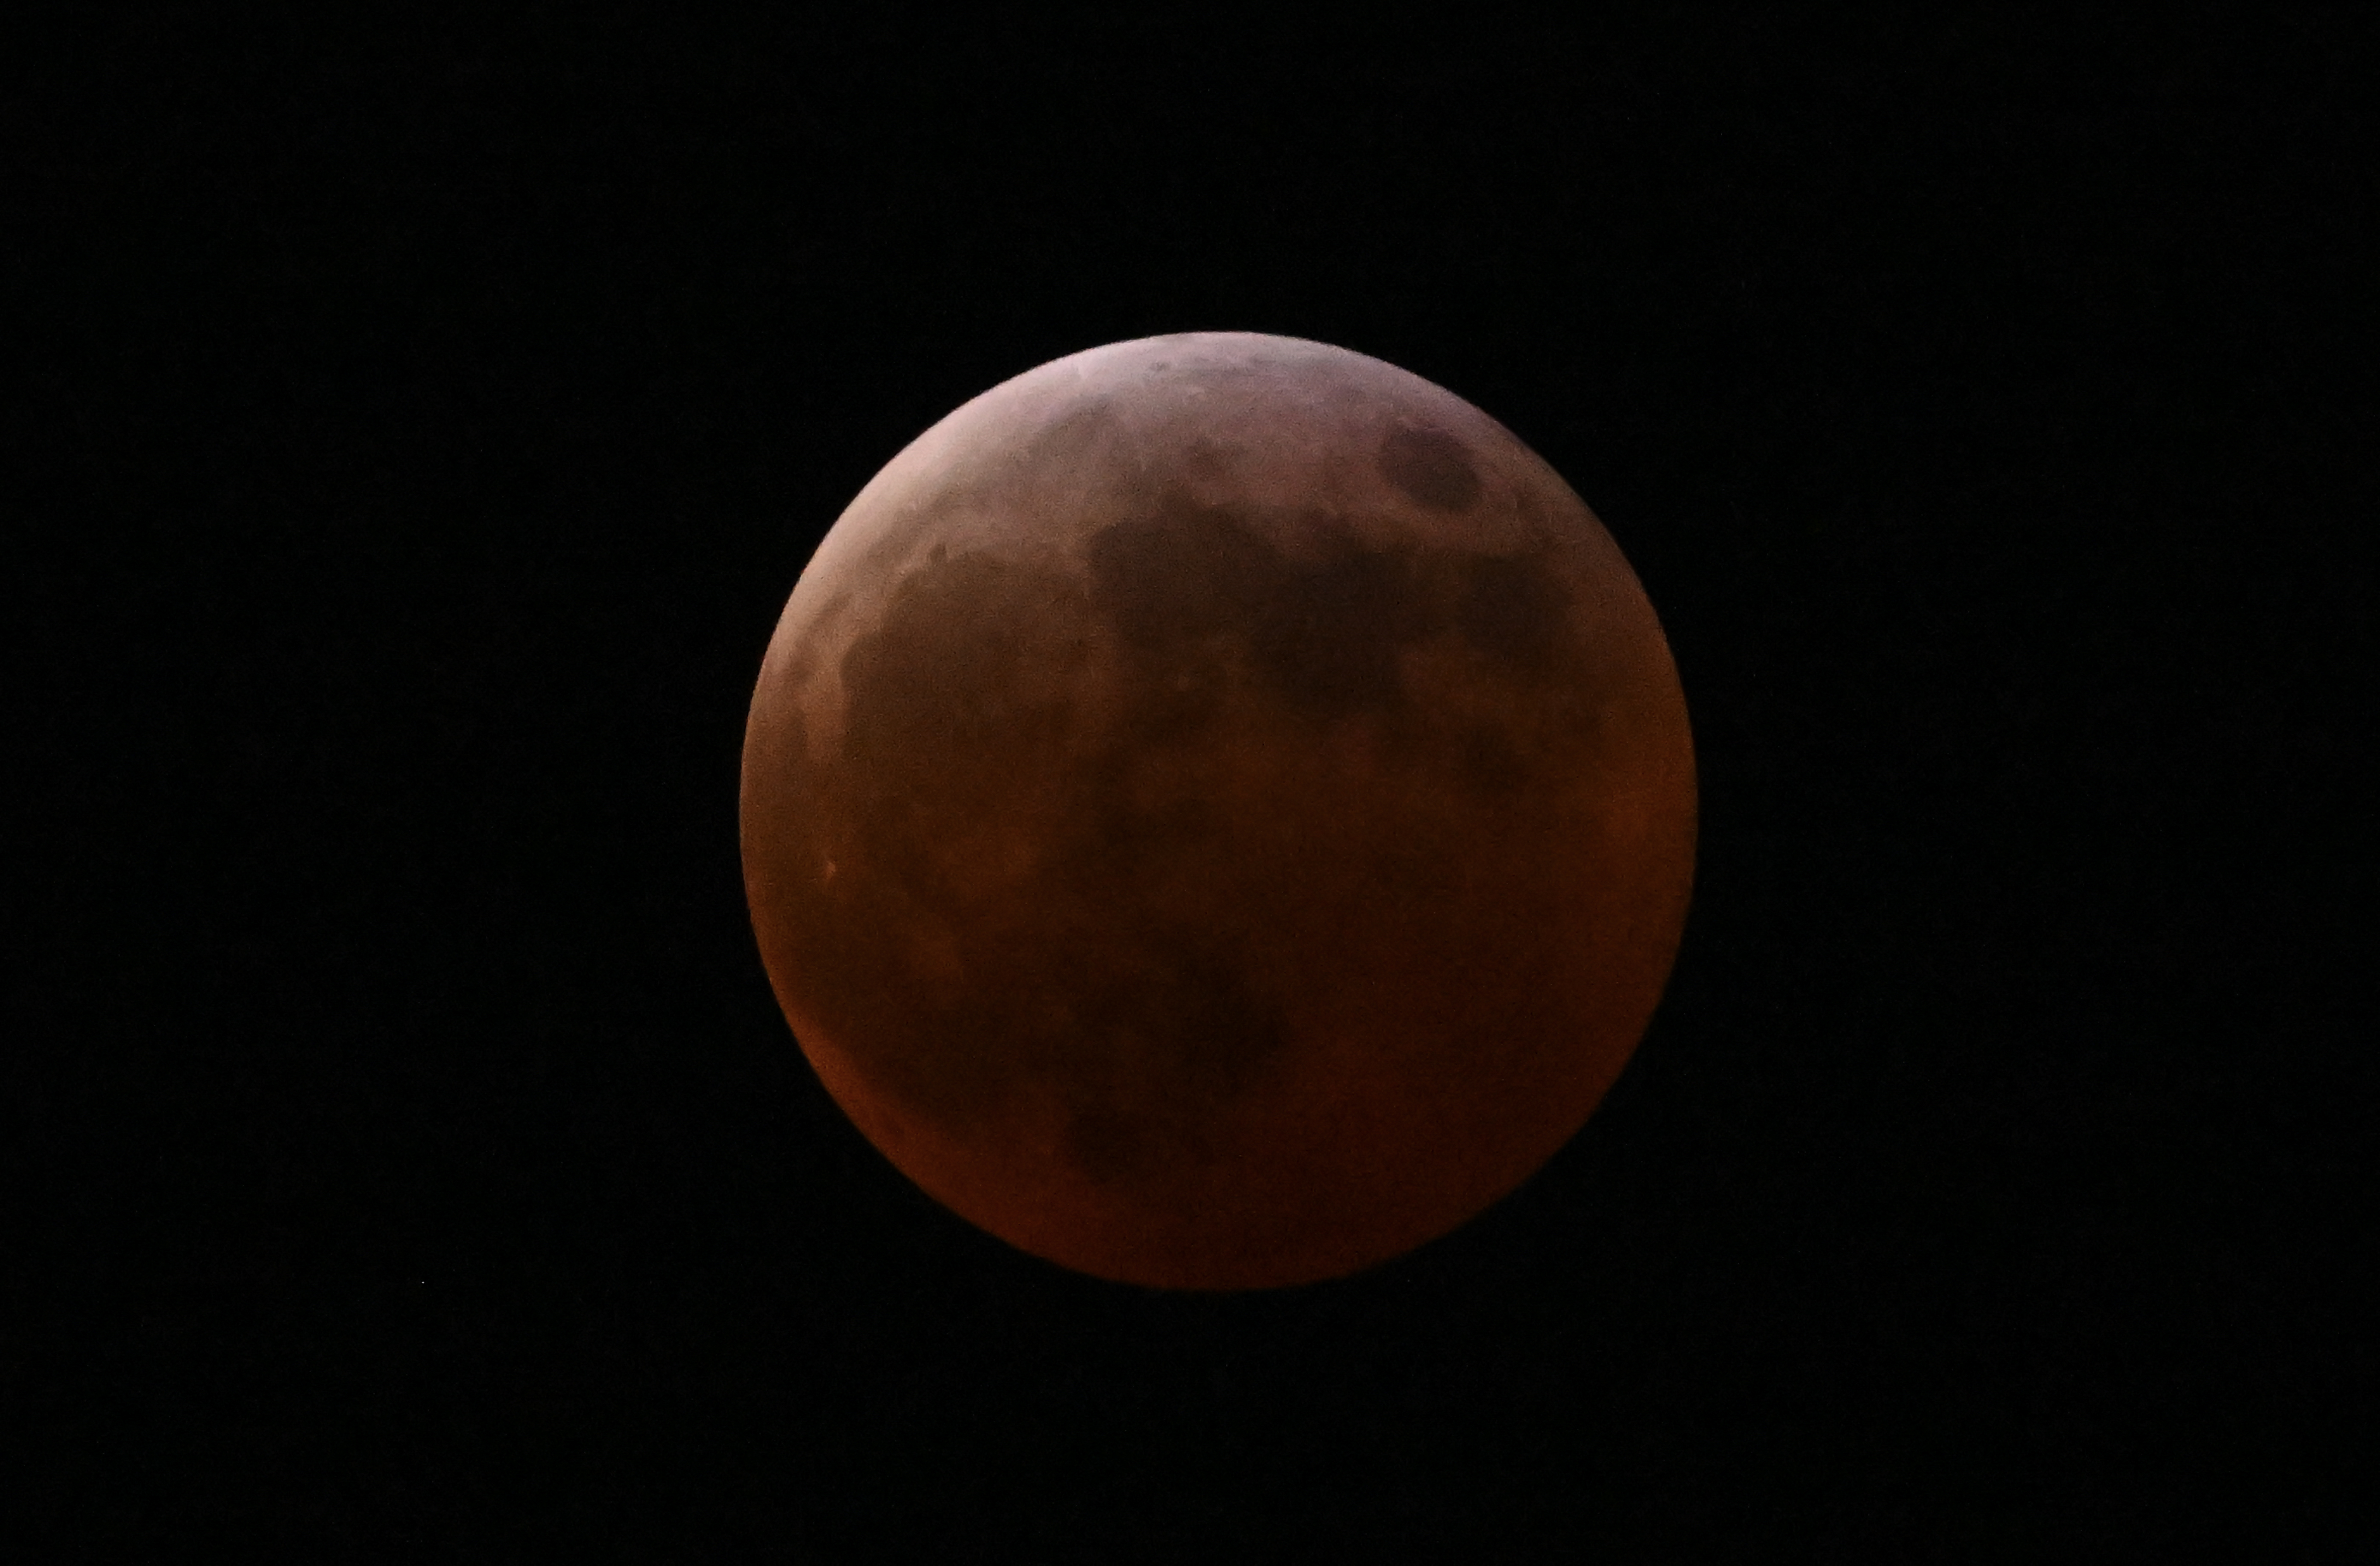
pixel 1430 466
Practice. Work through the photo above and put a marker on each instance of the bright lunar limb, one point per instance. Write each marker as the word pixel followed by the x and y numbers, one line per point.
pixel 1218 811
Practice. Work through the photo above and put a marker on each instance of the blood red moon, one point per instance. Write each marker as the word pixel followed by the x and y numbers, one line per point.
pixel 1218 811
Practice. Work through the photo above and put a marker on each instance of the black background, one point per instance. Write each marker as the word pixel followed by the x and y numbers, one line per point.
pixel 425 427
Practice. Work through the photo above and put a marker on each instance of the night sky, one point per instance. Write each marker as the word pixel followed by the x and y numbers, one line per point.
pixel 422 428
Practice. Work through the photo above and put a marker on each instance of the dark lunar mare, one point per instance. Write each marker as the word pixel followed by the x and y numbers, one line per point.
pixel 961 711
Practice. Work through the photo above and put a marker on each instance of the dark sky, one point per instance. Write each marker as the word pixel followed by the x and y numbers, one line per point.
pixel 426 426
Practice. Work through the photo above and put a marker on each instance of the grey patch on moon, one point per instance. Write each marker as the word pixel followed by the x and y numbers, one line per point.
pixel 1191 583
pixel 1181 584
pixel 1429 465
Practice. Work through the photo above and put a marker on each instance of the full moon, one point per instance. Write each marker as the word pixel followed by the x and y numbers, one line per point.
pixel 1218 811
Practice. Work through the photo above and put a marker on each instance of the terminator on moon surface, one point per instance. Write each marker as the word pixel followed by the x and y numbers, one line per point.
pixel 1218 811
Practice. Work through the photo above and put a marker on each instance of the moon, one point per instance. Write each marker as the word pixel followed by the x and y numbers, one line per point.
pixel 1218 811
